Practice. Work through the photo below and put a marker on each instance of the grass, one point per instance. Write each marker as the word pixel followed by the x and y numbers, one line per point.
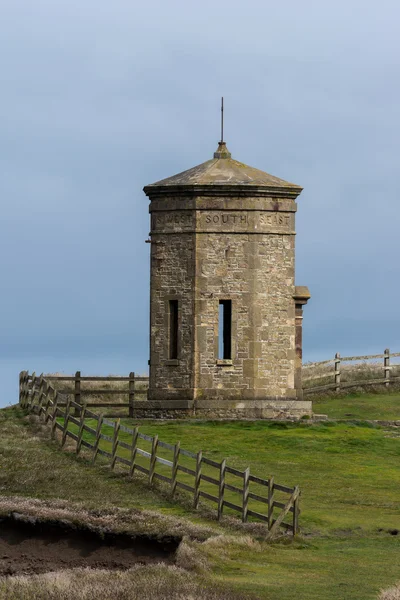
pixel 360 406
pixel 33 466
pixel 348 473
pixel 209 508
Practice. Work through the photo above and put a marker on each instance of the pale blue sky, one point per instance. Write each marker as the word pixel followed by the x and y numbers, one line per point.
pixel 100 98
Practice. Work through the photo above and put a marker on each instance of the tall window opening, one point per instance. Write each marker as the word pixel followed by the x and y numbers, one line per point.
pixel 173 329
pixel 225 329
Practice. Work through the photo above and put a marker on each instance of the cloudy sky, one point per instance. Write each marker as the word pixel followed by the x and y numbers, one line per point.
pixel 100 98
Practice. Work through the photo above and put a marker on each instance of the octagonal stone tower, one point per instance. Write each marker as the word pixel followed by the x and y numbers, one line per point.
pixel 225 315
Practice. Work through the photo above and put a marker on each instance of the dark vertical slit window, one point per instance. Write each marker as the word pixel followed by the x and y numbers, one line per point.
pixel 173 329
pixel 225 329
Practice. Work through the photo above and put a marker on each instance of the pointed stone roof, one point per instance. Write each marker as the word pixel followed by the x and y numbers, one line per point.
pixel 224 173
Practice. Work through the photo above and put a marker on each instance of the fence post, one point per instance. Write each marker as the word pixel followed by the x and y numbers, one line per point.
pixel 153 458
pixel 296 513
pixel 134 447
pixel 21 375
pixel 175 464
pixel 23 382
pixel 221 489
pixel 286 509
pixel 115 443
pixel 80 433
pixel 40 394
pixel 131 393
pixel 270 501
pixel 66 419
pixel 46 402
pixel 197 480
pixel 50 402
pixel 77 392
pixel 33 389
pixel 26 392
pixel 54 415
pixel 386 366
pixel 337 371
pixel 43 395
pixel 22 388
pixel 245 497
pixel 97 441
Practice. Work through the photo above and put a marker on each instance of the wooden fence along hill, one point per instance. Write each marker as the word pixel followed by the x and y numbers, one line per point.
pixel 228 489
pixel 335 374
pixel 345 372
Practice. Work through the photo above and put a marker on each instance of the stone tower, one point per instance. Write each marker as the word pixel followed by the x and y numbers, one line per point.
pixel 225 315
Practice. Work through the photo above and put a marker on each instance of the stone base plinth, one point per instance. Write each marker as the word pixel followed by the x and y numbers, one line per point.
pixel 271 408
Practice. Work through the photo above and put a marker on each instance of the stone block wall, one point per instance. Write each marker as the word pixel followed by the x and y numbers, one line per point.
pixel 256 272
pixel 205 249
pixel 172 275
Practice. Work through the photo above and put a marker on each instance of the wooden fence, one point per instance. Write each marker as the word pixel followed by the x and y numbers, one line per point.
pixel 238 491
pixel 81 389
pixel 337 374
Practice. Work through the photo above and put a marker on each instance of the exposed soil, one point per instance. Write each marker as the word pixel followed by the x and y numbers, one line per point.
pixel 29 545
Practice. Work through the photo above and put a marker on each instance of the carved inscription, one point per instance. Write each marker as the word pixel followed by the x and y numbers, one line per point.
pixel 222 221
pixel 246 221
pixel 172 221
pixel 277 219
pixel 227 218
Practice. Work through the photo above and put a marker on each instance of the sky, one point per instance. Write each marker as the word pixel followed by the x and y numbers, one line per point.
pixel 100 98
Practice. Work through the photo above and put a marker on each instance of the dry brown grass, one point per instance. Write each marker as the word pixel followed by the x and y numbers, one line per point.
pixel 188 579
pixel 190 556
pixel 392 593
pixel 157 582
pixel 221 542
pixel 197 551
pixel 123 520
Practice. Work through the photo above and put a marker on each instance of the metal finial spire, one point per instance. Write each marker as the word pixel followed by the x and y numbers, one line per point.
pixel 222 150
pixel 222 119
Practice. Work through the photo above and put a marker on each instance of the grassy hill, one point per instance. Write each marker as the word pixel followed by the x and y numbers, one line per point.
pixel 379 406
pixel 349 476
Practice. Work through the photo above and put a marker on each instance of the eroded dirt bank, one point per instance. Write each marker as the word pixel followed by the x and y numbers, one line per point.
pixel 30 545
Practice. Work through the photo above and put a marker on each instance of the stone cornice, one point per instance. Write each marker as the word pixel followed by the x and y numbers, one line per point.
pixel 222 190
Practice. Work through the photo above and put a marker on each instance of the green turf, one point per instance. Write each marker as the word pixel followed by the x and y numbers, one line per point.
pixel 345 567
pixel 349 474
pixel 360 406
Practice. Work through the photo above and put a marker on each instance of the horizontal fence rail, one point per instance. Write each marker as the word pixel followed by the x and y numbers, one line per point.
pixel 134 387
pixel 336 374
pixel 207 480
pixel 344 372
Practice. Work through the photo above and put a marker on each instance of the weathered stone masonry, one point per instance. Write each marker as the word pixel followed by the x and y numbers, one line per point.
pixel 225 232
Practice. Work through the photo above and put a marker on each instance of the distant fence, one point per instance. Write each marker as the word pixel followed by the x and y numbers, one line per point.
pixel 235 490
pixel 344 372
pixel 335 374
pixel 132 387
